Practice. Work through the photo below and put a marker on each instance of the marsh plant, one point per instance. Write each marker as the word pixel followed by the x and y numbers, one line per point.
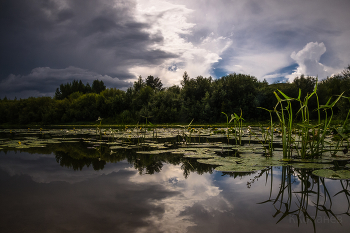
pixel 311 136
pixel 341 134
pixel 185 137
pixel 269 132
pixel 99 126
pixel 154 130
pixel 238 126
pixel 227 125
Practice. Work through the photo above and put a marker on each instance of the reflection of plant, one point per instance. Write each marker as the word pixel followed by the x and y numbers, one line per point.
pixel 310 193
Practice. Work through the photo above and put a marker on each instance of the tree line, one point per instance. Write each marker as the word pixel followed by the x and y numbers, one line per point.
pixel 202 99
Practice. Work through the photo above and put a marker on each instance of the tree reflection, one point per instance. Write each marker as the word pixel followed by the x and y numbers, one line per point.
pixel 78 155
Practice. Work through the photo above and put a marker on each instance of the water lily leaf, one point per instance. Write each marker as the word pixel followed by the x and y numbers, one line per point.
pixel 211 161
pixel 326 173
pixel 239 168
pixel 312 165
pixel 112 143
pixel 117 147
pixel 204 145
pixel 22 146
pixel 153 152
pixel 220 150
pixel 197 155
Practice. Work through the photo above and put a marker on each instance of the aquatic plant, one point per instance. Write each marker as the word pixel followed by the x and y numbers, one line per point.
pixel 99 126
pixel 311 136
pixel 270 134
pixel 227 124
pixel 154 130
pixel 238 122
pixel 184 135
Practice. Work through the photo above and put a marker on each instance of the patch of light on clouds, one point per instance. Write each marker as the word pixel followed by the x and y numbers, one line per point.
pixel 196 189
pixel 170 21
pixel 265 33
pixel 308 60
pixel 257 64
pixel 273 78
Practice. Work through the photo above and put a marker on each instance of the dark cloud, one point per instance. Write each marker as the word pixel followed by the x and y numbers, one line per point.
pixel 126 38
pixel 99 36
pixel 43 81
pixel 254 7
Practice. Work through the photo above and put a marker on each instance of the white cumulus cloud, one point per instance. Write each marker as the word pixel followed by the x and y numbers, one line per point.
pixel 171 22
pixel 308 60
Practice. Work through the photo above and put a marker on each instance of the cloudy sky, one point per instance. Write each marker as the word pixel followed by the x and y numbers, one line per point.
pixel 45 43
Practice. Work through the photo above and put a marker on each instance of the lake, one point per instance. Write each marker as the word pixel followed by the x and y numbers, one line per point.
pixel 88 181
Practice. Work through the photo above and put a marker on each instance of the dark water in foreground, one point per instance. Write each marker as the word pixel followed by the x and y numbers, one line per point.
pixel 39 195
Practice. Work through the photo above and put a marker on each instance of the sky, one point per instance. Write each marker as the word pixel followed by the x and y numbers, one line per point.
pixel 45 43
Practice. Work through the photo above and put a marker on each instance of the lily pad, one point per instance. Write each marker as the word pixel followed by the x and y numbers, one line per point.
pixel 312 165
pixel 199 155
pixel 117 147
pixel 339 175
pixel 239 168
pixel 217 160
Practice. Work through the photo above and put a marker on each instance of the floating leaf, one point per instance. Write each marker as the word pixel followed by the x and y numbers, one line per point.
pixel 239 168
pixel 199 156
pixel 326 173
pixel 312 165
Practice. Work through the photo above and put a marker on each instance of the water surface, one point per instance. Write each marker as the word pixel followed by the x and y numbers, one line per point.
pixel 56 189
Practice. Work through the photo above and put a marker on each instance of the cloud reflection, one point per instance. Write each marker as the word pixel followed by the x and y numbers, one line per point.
pixel 196 190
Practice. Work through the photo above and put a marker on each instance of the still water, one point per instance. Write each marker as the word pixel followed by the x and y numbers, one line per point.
pixel 56 189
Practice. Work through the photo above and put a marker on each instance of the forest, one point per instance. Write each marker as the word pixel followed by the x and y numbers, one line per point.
pixel 202 99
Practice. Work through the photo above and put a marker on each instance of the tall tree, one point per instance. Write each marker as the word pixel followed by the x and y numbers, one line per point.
pixel 98 86
pixel 185 79
pixel 154 83
pixel 139 84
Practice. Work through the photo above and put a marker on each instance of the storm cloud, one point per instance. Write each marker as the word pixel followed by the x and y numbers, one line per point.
pixel 102 37
pixel 118 40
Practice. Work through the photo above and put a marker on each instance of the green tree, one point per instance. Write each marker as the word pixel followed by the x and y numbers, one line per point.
pixel 139 84
pixel 98 86
pixel 154 83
